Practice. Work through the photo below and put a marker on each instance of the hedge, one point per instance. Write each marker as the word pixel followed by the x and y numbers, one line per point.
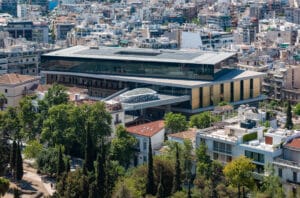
pixel 249 137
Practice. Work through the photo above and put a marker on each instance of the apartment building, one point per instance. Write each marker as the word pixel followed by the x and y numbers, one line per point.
pixel 143 132
pixel 16 86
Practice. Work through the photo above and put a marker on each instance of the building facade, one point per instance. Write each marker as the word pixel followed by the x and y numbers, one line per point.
pixel 15 86
pixel 203 76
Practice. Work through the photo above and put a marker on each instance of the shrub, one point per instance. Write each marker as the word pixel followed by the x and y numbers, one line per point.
pixel 249 137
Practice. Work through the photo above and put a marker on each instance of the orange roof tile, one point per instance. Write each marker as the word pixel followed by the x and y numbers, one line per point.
pixel 189 134
pixel 147 129
pixel 13 79
pixel 295 143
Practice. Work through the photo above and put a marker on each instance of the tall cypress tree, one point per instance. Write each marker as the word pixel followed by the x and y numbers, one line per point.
pixel 68 165
pixel 150 175
pixel 160 188
pixel 177 179
pixel 189 189
pixel 289 122
pixel 100 172
pixel 60 163
pixel 13 154
pixel 89 153
pixel 19 164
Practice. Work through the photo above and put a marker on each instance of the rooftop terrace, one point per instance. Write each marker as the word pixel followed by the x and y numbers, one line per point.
pixel 137 54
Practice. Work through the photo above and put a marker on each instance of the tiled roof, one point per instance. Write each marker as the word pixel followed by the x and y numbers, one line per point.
pixel 147 129
pixel 189 134
pixel 295 143
pixel 71 90
pixel 12 79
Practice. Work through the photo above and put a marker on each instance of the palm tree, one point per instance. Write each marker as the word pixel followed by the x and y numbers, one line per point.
pixel 3 100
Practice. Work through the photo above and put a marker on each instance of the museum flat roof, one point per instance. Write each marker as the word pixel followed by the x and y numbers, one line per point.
pixel 138 54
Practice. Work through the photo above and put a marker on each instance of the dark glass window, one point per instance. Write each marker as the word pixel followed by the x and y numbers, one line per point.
pixel 295 176
pixel 242 90
pixel 130 68
pixel 257 157
pixel 279 172
pixel 231 92
pixel 201 97
pixel 251 88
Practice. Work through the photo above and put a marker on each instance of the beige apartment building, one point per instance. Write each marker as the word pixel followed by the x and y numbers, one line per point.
pixel 16 86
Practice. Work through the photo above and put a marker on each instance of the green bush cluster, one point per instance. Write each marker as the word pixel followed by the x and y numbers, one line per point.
pixel 249 137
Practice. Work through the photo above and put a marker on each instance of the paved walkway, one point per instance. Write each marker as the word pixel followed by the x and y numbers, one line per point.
pixel 32 184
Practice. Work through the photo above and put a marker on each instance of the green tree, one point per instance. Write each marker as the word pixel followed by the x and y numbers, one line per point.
pixel 47 160
pixel 13 156
pixel 32 149
pixel 100 173
pixel 5 155
pixel 10 124
pixel 136 179
pixel 3 100
pixel 99 121
pixel 4 186
pixel 150 174
pixel 113 172
pixel 27 116
pixel 289 122
pixel 202 120
pixel 76 185
pixel 239 174
pixel 56 128
pixel 123 146
pixel 297 109
pixel 216 177
pixel 56 95
pixel 175 122
pixel 203 161
pixel 89 153
pixel 187 158
pixel 177 176
pixel 19 164
pixel 272 186
pixel 60 163
pixel 122 192
pixel 160 188
pixel 185 155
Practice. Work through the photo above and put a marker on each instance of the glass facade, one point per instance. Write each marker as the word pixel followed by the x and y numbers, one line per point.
pixel 222 147
pixel 103 88
pixel 256 157
pixel 131 68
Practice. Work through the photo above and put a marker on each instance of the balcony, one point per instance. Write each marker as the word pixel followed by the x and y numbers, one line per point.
pixel 287 163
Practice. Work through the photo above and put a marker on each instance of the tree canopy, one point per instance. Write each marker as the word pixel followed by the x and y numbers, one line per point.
pixel 123 146
pixel 202 120
pixel 239 173
pixel 175 122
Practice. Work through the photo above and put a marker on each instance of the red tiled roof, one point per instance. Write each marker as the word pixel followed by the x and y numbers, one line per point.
pixel 189 134
pixel 295 143
pixel 13 79
pixel 147 129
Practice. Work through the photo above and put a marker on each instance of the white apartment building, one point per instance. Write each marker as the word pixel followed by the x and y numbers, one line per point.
pixel 287 166
pixel 143 132
pixel 245 137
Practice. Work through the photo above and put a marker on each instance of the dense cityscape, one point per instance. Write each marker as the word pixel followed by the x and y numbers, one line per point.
pixel 150 99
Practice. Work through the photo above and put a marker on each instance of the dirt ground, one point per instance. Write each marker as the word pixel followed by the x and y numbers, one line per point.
pixel 31 186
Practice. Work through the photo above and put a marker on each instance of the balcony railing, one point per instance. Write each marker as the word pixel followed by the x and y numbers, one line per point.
pixel 287 162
